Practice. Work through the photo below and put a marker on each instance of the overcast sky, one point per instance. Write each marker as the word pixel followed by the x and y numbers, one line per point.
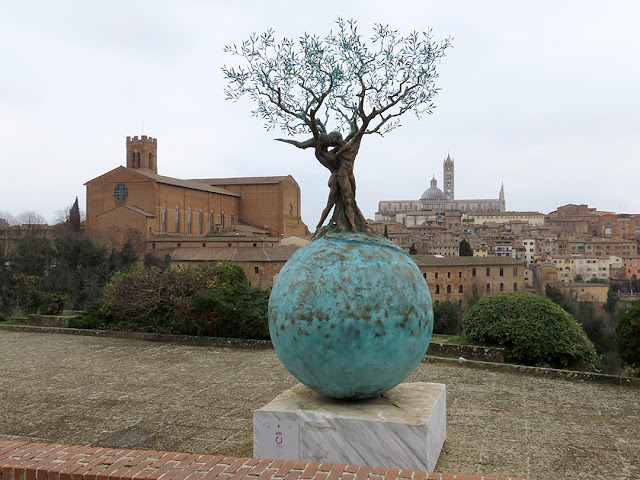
pixel 543 96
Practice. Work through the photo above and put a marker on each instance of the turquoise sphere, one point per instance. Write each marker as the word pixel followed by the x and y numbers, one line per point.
pixel 350 315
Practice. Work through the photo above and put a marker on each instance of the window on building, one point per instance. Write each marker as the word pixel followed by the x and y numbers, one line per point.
pixel 515 286
pixel 201 223
pixel 179 244
pixel 189 221
pixel 233 219
pixel 502 287
pixel 502 271
pixel 488 271
pixel 255 244
pixel 448 288
pixel 150 161
pixel 228 244
pixel 222 220
pixel 138 160
pixel 425 274
pixel 515 271
pixel 473 272
pixel 177 215
pixel 459 274
pixel 204 244
pixel 448 274
pixel 435 275
pixel 437 289
pixel 488 288
pixel 256 270
pixel 153 246
pixel 460 289
pixel 211 222
pixel 164 219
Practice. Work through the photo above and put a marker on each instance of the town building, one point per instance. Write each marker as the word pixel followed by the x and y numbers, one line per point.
pixel 568 267
pixel 434 202
pixel 456 278
pixel 170 211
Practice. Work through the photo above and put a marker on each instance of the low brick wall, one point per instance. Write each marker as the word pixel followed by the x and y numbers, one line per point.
pixel 48 321
pixel 37 461
pixel 469 352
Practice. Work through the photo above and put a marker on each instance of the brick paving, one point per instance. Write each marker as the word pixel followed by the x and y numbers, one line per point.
pixel 127 394
pixel 33 461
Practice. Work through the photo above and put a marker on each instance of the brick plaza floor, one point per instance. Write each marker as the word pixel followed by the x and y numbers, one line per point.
pixel 83 390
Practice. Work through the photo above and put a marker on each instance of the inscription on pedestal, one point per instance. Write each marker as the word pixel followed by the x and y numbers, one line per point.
pixel 278 439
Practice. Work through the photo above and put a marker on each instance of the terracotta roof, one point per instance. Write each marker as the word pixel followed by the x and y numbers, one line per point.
pixel 139 210
pixel 240 180
pixel 129 207
pixel 216 237
pixel 192 184
pixel 433 261
pixel 265 254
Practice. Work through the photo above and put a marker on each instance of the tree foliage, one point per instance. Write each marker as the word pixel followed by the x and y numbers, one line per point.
pixel 447 318
pixel 561 299
pixel 465 249
pixel 204 300
pixel 534 330
pixel 337 89
pixel 628 335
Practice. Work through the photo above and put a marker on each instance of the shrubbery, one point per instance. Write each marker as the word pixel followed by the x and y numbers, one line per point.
pixel 628 335
pixel 447 318
pixel 534 330
pixel 31 299
pixel 205 300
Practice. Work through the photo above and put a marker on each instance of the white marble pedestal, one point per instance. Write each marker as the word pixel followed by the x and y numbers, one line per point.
pixel 404 428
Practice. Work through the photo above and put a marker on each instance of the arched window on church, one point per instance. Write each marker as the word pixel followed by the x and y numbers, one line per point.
pixel 177 215
pixel 138 160
pixel 164 219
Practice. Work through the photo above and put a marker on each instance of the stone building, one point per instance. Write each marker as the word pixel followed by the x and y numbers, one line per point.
pixel 261 265
pixel 167 209
pixel 434 202
pixel 455 278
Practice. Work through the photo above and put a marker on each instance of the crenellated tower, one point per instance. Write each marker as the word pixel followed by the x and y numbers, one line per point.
pixel 448 177
pixel 142 153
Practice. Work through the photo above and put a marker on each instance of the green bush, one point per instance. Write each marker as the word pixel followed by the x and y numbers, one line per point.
pixel 447 318
pixel 237 311
pixel 51 303
pixel 628 335
pixel 534 330
pixel 205 300
pixel 92 318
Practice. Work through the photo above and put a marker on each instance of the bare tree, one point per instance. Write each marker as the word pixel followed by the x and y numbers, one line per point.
pixel 30 218
pixel 337 89
pixel 6 219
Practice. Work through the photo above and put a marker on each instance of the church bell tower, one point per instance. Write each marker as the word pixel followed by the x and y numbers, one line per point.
pixel 447 177
pixel 142 153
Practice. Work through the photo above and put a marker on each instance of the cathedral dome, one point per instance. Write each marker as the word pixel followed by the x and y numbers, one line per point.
pixel 433 192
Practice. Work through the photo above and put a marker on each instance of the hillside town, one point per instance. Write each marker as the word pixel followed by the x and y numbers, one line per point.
pixel 255 223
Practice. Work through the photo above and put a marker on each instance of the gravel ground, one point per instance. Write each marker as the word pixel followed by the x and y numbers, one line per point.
pixel 128 393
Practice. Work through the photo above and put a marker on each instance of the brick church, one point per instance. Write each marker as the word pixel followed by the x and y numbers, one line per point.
pixel 172 212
